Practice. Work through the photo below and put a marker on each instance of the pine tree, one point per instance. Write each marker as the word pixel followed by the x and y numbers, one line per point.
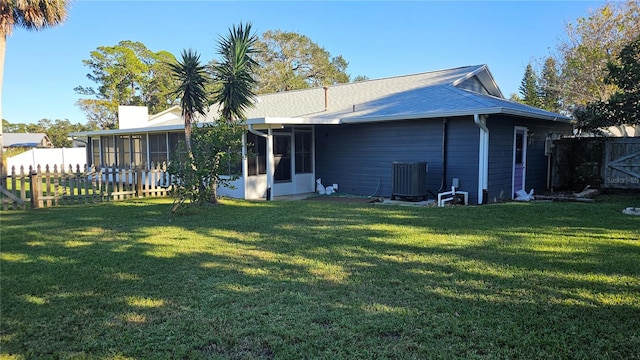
pixel 529 87
pixel 549 86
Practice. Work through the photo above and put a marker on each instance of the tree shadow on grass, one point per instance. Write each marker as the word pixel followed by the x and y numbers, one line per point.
pixel 263 280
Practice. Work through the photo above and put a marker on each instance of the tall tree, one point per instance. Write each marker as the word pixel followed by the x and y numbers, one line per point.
pixel 623 106
pixel 192 78
pixel 529 87
pixel 591 42
pixel 32 15
pixel 291 61
pixel 235 72
pixel 197 176
pixel 549 86
pixel 625 74
pixel 126 74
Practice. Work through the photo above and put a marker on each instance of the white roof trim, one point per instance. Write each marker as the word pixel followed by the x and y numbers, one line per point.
pixel 293 121
pixel 171 109
pixel 440 114
pixel 142 130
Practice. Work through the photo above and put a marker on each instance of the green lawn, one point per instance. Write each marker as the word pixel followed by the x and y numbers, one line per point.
pixel 321 280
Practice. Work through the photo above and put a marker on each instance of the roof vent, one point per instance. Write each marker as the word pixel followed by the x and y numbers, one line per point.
pixel 326 97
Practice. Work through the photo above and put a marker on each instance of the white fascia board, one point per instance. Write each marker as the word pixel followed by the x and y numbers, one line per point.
pixel 558 118
pixel 129 131
pixel 292 121
pixel 456 113
pixel 435 114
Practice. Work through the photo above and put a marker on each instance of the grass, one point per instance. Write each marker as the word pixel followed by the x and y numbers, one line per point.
pixel 321 280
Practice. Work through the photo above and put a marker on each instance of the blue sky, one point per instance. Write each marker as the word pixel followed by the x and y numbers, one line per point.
pixel 377 38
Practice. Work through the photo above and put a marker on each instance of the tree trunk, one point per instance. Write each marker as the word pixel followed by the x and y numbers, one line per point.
pixel 214 183
pixel 187 133
pixel 3 48
pixel 214 192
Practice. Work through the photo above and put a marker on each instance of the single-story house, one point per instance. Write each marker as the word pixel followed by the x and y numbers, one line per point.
pixel 357 136
pixel 26 140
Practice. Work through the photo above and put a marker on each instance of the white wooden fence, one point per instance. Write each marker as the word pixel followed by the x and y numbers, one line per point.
pixel 55 186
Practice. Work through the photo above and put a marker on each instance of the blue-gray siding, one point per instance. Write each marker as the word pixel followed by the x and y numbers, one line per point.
pixel 462 160
pixel 359 157
pixel 501 141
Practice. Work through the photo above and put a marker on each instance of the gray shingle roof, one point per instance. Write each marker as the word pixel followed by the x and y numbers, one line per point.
pixel 451 92
pixel 431 94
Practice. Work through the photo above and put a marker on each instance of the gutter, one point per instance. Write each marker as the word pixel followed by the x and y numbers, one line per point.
pixel 457 113
pixel 483 158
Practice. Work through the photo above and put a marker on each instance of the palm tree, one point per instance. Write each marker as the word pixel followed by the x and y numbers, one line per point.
pixel 192 78
pixel 235 72
pixel 29 14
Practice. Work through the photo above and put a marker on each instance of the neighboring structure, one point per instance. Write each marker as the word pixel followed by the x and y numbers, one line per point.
pixel 456 120
pixel 26 140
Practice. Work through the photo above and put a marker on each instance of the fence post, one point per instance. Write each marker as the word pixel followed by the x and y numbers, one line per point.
pixel 36 187
pixel 139 181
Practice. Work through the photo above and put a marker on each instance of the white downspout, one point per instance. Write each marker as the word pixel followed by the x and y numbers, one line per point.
pixel 483 156
pixel 270 163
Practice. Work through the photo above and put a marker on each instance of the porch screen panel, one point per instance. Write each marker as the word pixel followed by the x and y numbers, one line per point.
pixel 95 151
pixel 108 151
pixel 124 150
pixel 158 148
pixel 282 157
pixel 257 154
pixel 176 142
pixel 303 152
pixel 138 150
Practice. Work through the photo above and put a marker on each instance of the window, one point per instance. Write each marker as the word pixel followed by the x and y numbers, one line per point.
pixel 257 154
pixel 303 152
pixel 519 148
pixel 158 148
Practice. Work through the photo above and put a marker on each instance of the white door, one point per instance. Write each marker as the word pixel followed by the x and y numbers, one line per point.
pixel 519 159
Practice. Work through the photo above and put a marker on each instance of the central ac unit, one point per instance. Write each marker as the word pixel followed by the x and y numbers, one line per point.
pixel 409 180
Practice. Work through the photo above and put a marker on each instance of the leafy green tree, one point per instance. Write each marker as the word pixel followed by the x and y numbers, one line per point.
pixel 103 112
pixel 57 131
pixel 32 15
pixel 360 78
pixel 515 98
pixel 549 86
pixel 235 72
pixel 623 106
pixel 529 87
pixel 126 74
pixel 192 78
pixel 291 61
pixel 591 43
pixel 195 178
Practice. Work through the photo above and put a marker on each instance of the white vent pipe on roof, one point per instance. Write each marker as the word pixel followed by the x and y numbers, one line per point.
pixel 326 97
